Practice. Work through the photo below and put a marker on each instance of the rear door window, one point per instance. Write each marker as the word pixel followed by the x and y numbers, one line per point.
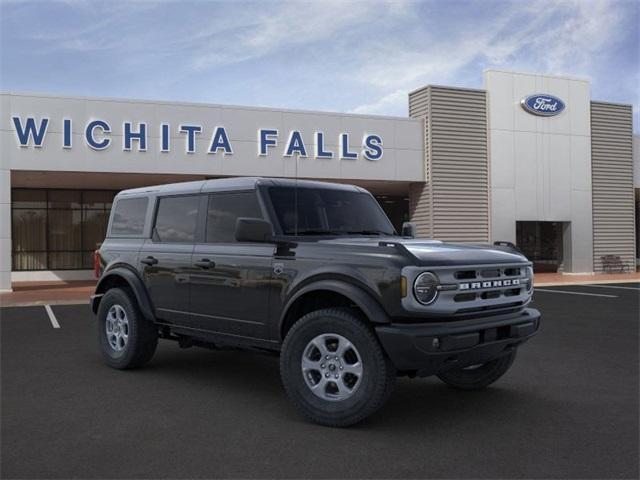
pixel 129 215
pixel 224 209
pixel 176 219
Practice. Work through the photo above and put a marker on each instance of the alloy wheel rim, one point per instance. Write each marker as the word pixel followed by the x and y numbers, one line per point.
pixel 117 328
pixel 332 367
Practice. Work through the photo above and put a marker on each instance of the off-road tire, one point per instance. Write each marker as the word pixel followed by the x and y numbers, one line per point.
pixel 142 333
pixel 481 377
pixel 377 380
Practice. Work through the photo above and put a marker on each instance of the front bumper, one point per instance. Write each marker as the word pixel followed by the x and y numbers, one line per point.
pixel 430 348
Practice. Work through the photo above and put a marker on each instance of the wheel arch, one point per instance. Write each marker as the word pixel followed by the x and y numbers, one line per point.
pixel 329 293
pixel 122 277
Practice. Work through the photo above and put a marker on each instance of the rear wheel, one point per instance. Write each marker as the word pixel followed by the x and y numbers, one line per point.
pixel 127 339
pixel 476 377
pixel 333 368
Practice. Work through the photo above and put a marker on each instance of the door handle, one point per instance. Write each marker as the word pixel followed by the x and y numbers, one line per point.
pixel 205 263
pixel 149 261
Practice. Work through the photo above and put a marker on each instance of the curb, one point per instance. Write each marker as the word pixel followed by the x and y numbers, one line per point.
pixel 583 282
pixel 42 303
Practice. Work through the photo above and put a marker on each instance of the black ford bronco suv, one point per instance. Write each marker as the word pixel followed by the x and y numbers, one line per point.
pixel 316 272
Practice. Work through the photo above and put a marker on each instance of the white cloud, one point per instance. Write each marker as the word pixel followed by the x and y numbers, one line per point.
pixel 363 56
pixel 287 25
pixel 587 29
pixel 394 103
pixel 552 37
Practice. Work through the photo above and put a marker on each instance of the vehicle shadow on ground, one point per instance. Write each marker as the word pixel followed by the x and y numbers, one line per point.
pixel 414 403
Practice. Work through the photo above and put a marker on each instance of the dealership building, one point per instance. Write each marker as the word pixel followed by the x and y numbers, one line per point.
pixel 529 159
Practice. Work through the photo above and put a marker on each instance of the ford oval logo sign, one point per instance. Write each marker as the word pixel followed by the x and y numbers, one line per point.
pixel 542 104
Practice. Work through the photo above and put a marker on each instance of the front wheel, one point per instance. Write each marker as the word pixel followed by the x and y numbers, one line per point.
pixel 477 377
pixel 334 369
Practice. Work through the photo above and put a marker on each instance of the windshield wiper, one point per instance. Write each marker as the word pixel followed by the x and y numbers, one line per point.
pixel 368 232
pixel 317 232
pixel 340 232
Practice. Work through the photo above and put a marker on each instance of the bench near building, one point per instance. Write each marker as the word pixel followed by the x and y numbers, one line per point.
pixel 529 159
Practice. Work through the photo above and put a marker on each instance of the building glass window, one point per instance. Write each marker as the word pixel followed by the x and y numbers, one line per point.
pixel 396 208
pixel 541 243
pixel 57 229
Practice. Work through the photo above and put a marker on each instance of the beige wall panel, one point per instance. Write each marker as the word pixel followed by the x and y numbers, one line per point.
pixel 612 178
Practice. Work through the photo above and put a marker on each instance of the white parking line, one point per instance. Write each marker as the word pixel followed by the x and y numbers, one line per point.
pixel 52 317
pixel 575 293
pixel 612 286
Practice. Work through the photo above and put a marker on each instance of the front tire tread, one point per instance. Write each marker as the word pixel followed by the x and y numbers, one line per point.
pixel 384 372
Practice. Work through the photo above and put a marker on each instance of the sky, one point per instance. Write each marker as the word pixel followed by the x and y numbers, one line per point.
pixel 344 56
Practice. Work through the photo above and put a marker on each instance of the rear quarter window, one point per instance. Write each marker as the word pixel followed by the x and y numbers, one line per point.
pixel 128 216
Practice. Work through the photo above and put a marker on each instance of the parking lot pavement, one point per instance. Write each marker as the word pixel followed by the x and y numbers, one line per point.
pixel 567 409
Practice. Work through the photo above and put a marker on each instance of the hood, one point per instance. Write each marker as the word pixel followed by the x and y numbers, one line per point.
pixel 437 253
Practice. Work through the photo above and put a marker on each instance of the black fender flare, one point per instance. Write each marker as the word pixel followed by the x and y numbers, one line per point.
pixel 362 299
pixel 134 282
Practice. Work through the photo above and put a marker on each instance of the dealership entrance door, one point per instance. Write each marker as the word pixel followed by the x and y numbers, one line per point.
pixel 541 242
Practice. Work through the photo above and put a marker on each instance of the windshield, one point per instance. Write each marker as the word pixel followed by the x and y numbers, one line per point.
pixel 324 211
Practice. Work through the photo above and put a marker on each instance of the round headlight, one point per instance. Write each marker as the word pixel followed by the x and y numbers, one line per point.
pixel 529 279
pixel 425 288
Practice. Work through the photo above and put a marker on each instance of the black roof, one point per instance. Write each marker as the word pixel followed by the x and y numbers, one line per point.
pixel 234 183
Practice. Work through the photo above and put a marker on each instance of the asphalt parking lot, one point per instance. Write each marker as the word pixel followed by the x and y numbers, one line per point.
pixel 567 409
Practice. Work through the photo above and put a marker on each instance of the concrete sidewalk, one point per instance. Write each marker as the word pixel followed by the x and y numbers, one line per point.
pixel 69 293
pixel 558 279
pixel 47 293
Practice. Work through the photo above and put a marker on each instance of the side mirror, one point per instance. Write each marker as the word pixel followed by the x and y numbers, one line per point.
pixel 507 246
pixel 253 230
pixel 409 229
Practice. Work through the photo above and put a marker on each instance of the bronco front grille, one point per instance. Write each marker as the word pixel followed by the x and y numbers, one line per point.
pixel 490 307
pixel 488 273
pixel 483 289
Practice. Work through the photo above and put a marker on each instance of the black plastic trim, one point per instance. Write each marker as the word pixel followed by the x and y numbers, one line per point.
pixel 428 348
pixel 135 283
pixel 363 300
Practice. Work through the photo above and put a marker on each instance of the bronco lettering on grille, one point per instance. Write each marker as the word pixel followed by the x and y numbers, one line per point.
pixel 489 284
